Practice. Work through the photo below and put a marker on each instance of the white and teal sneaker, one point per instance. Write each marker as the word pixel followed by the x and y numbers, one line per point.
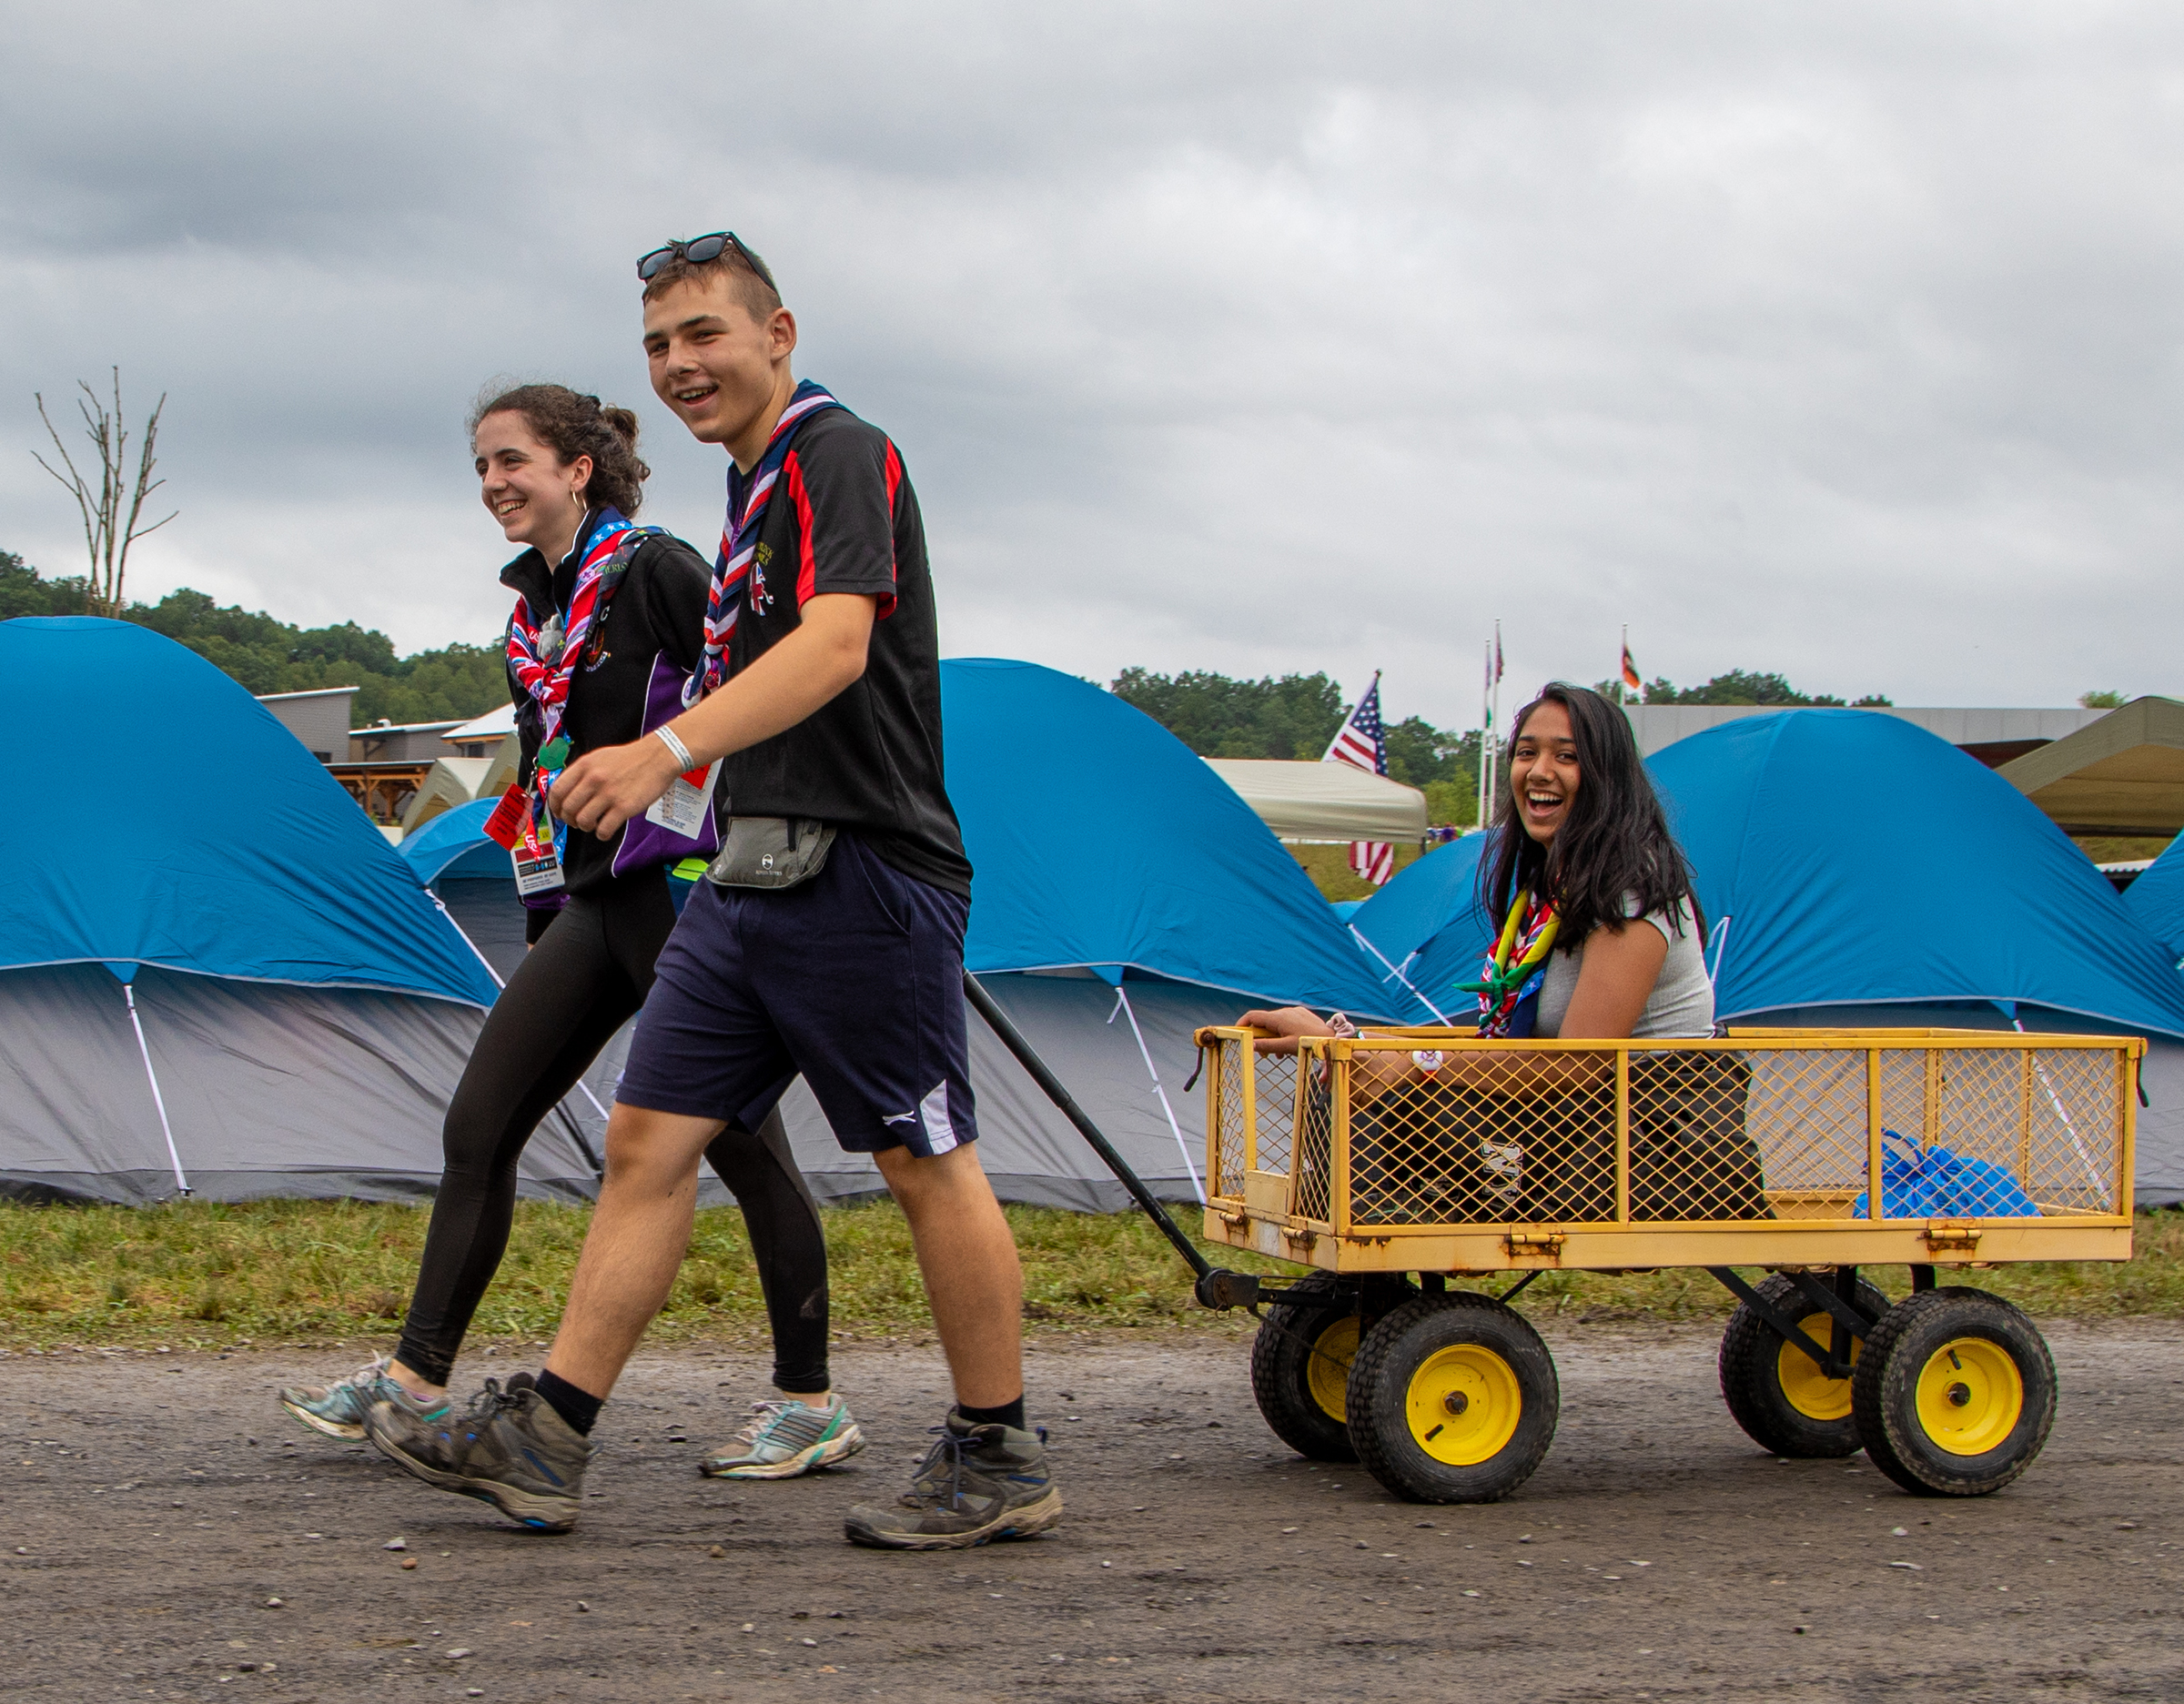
pixel 785 1439
pixel 338 1410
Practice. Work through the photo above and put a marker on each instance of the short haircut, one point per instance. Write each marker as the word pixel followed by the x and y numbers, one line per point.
pixel 753 289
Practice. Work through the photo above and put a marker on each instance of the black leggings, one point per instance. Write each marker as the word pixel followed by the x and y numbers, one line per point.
pixel 584 979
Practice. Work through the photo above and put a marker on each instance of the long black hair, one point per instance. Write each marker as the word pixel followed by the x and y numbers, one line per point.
pixel 1615 843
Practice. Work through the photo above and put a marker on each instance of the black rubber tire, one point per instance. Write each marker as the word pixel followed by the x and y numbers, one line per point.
pixel 1405 1345
pixel 1884 1392
pixel 1281 1374
pixel 1751 1369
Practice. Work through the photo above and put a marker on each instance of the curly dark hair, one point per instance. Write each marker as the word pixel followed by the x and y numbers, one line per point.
pixel 1616 841
pixel 572 425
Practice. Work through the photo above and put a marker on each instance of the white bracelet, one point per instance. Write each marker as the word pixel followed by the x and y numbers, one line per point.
pixel 684 762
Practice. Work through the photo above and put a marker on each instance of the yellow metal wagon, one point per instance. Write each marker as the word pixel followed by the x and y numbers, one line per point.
pixel 1472 1160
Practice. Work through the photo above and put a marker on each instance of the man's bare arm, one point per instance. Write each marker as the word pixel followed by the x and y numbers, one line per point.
pixel 604 789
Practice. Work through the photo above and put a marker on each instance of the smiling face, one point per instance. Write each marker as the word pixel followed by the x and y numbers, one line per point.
pixel 722 369
pixel 1543 775
pixel 537 498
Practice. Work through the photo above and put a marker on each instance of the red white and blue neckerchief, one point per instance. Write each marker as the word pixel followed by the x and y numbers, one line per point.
pixel 544 656
pixel 748 495
pixel 1516 966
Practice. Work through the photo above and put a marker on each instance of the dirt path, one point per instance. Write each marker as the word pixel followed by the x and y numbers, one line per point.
pixel 155 1504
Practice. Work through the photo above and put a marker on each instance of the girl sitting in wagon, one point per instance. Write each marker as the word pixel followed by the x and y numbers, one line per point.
pixel 1603 940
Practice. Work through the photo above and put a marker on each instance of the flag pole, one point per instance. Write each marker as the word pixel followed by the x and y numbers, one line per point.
pixel 1623 682
pixel 1486 726
pixel 1494 773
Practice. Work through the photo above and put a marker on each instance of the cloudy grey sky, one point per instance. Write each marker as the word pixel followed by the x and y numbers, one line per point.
pixel 1840 338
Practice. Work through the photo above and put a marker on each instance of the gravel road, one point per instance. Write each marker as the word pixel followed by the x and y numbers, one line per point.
pixel 158 1505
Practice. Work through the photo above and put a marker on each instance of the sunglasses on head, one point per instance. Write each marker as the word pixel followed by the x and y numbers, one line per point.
pixel 698 250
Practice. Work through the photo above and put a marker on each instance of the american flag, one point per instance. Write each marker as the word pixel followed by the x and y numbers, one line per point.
pixel 1362 743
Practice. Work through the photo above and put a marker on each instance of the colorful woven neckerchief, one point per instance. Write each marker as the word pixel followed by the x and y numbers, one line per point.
pixel 1518 963
pixel 748 495
pixel 544 656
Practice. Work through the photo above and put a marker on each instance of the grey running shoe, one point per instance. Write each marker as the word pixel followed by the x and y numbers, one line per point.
pixel 509 1448
pixel 785 1439
pixel 976 1484
pixel 338 1409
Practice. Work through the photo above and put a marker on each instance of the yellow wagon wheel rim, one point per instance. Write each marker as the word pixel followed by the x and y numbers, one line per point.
pixel 1970 1395
pixel 1463 1404
pixel 1327 1370
pixel 1809 1391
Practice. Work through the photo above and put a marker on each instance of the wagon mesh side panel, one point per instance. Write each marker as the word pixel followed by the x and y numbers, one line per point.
pixel 1277 1109
pixel 1234 1060
pixel 1693 1156
pixel 1432 1151
pixel 1313 1123
pixel 2076 1148
pixel 2066 1142
pixel 1805 1114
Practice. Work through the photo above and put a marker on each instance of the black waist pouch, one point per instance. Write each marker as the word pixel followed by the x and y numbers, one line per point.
pixel 769 852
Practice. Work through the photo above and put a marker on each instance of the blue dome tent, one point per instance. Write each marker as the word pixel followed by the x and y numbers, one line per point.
pixel 1846 858
pixel 1436 895
pixel 192 896
pixel 2156 900
pixel 472 877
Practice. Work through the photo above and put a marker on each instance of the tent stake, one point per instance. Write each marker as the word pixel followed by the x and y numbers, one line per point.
pixel 1012 1039
pixel 1122 1005
pixel 158 1100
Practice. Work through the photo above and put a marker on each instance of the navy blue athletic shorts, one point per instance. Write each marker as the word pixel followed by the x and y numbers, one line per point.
pixel 854 978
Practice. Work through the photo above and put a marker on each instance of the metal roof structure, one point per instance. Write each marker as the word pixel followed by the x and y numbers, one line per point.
pixel 2124 774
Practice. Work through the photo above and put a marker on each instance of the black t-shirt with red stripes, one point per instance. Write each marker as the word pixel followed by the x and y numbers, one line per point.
pixel 843 518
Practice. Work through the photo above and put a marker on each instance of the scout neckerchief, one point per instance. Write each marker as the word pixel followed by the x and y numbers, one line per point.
pixel 748 495
pixel 1512 972
pixel 543 656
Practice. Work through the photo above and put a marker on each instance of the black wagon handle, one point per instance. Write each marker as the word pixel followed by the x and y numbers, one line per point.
pixel 1216 1287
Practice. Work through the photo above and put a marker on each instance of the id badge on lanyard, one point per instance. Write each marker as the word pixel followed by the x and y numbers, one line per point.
pixel 537 864
pixel 688 801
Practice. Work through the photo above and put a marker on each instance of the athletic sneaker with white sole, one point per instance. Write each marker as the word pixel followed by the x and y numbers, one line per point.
pixel 509 1448
pixel 785 1439
pixel 976 1484
pixel 338 1410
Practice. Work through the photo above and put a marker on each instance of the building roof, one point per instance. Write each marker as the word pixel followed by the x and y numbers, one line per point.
pixel 316 692
pixel 379 730
pixel 2122 775
pixel 493 725
pixel 1994 735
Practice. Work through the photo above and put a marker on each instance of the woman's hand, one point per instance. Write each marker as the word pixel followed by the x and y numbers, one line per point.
pixel 1282 1027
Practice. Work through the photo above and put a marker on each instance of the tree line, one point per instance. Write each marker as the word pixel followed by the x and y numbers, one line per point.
pixel 268 655
pixel 1294 717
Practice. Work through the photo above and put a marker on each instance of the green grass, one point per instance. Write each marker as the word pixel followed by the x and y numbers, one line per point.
pixel 1329 866
pixel 198 1274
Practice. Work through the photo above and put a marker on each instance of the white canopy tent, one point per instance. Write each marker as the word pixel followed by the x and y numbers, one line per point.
pixel 1325 802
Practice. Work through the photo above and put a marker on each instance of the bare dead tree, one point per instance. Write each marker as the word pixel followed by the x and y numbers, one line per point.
pixel 112 508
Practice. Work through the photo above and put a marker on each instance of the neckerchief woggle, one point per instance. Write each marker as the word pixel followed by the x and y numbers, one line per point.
pixel 543 657
pixel 1512 974
pixel 748 496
